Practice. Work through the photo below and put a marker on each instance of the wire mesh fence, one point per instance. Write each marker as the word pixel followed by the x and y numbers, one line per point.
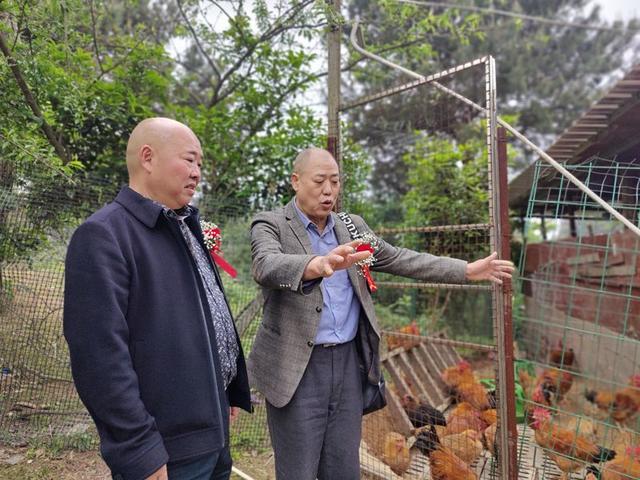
pixel 579 326
pixel 38 213
pixel 440 342
pixel 452 323
pixel 578 330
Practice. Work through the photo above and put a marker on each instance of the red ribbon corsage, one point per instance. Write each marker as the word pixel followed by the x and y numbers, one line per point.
pixel 369 244
pixel 213 242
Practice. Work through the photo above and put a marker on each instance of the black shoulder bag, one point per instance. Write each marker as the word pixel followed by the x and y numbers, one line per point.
pixel 373 394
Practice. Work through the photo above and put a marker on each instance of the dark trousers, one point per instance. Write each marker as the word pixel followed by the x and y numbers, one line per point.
pixel 215 466
pixel 317 434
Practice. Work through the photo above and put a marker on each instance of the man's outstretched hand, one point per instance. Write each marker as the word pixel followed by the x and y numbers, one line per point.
pixel 490 268
pixel 340 258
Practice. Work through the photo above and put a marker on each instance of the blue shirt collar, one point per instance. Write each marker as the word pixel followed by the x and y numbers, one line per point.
pixel 306 222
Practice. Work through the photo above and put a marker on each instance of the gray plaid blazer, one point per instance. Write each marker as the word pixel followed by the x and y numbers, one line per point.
pixel 281 250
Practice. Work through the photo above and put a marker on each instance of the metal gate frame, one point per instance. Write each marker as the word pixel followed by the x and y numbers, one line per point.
pixel 498 225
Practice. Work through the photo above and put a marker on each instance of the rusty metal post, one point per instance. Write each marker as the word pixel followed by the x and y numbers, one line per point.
pixel 333 87
pixel 508 426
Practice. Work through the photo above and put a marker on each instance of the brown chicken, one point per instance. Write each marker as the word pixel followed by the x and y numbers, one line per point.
pixel 404 341
pixel 463 386
pixel 568 451
pixel 467 445
pixel 475 394
pixel 621 404
pixel 551 386
pixel 396 453
pixel 489 416
pixel 561 357
pixel 453 376
pixel 527 381
pixel 463 417
pixel 489 438
pixel 623 439
pixel 445 465
pixel 623 467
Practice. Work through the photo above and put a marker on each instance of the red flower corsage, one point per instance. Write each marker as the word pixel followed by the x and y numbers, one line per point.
pixel 369 243
pixel 213 242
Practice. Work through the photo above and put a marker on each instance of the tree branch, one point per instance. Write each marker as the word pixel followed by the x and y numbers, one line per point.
pixel 95 37
pixel 230 18
pixel 259 123
pixel 196 39
pixel 120 61
pixel 279 26
pixel 59 148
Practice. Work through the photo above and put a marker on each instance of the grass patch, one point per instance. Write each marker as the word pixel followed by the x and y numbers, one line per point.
pixel 54 445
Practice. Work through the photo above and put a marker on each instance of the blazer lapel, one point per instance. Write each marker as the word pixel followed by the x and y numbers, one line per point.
pixel 298 227
pixel 342 235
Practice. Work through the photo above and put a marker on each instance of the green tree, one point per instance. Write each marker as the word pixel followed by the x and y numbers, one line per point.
pixel 94 69
pixel 546 74
pixel 447 182
pixel 77 76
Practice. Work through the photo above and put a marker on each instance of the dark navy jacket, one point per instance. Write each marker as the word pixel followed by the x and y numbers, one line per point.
pixel 141 339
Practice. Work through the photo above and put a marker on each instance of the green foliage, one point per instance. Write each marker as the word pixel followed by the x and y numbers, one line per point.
pixel 393 315
pixel 546 74
pixel 95 69
pixel 448 182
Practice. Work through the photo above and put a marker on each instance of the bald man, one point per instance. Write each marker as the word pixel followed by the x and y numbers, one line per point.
pixel 154 352
pixel 318 341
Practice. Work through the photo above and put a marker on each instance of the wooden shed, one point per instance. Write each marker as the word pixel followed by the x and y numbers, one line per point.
pixel 581 283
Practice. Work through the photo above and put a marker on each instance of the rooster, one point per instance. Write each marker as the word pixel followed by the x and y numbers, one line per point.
pixel 623 467
pixel 621 404
pixel 568 451
pixel 445 465
pixel 421 414
pixel 396 453
pixel 404 341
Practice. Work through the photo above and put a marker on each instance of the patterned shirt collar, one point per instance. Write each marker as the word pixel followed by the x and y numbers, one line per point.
pixel 179 213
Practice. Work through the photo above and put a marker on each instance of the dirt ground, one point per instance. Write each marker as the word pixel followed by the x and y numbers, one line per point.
pixel 29 464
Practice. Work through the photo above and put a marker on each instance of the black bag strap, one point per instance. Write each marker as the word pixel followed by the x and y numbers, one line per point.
pixel 348 221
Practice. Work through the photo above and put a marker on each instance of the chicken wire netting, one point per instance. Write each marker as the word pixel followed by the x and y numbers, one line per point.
pixel 579 325
pixel 433 166
pixel 39 211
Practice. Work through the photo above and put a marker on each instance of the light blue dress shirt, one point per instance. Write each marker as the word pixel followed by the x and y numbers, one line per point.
pixel 341 307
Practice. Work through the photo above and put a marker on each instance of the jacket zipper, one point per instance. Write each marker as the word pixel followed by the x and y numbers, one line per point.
pixel 213 368
pixel 208 342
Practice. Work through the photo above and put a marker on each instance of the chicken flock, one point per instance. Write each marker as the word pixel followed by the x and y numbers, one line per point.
pixel 453 443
